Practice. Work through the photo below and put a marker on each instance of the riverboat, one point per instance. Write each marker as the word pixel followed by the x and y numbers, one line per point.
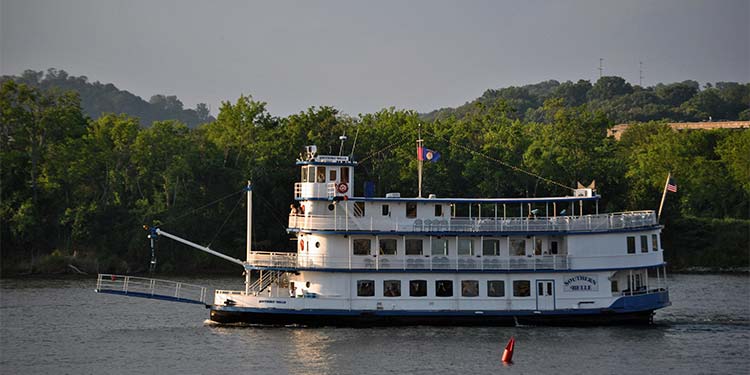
pixel 393 260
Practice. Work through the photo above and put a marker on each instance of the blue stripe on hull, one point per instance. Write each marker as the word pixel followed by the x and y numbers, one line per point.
pixel 149 296
pixel 625 310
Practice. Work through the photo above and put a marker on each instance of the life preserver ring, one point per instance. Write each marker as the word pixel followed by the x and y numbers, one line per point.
pixel 342 187
pixel 302 245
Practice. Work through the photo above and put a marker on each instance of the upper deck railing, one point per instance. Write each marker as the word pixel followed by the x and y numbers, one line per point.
pixel 584 223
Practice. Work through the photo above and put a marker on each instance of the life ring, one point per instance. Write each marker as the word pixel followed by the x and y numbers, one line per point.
pixel 302 245
pixel 342 187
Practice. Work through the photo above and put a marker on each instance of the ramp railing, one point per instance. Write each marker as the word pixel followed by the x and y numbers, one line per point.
pixel 151 288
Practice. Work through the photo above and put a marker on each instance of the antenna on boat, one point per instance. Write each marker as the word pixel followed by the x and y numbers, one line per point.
pixel 356 135
pixel 343 139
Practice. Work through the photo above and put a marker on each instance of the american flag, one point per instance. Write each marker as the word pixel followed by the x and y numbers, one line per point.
pixel 671 186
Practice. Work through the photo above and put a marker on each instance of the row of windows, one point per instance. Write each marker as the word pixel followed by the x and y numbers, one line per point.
pixel 644 243
pixel 443 288
pixel 312 173
pixel 440 247
pixel 411 209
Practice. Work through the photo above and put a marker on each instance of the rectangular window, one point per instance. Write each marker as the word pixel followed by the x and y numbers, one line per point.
pixel 413 247
pixel 392 288
pixel 469 288
pixel 361 246
pixel 310 174
pixel 411 210
pixel 521 288
pixel 386 210
pixel 537 246
pixel 417 288
pixel 345 174
pixel 517 247
pixel 332 174
pixel 438 210
pixel 615 288
pixel 365 288
pixel 495 288
pixel 553 247
pixel 444 288
pixel 439 246
pixel 465 247
pixel 387 246
pixel 655 242
pixel 631 245
pixel 304 174
pixel 320 176
pixel 359 209
pixel 644 244
pixel 491 248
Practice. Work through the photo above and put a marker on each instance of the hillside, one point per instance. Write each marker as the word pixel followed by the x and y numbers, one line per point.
pixel 99 98
pixel 620 101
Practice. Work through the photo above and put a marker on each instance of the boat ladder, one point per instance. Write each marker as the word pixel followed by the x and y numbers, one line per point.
pixel 265 280
pixel 166 290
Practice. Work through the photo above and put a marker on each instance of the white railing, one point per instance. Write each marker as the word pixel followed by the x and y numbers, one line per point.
pixel 585 223
pixel 151 288
pixel 426 262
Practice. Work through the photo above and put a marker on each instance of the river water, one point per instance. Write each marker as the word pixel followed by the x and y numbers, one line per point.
pixel 63 327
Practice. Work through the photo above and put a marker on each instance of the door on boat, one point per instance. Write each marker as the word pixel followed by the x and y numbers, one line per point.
pixel 545 294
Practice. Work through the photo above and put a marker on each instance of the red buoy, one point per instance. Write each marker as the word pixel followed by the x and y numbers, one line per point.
pixel 508 353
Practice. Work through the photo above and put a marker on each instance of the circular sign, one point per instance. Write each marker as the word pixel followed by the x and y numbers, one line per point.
pixel 342 187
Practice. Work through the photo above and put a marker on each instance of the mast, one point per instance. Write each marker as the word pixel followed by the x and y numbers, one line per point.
pixel 420 161
pixel 663 195
pixel 248 246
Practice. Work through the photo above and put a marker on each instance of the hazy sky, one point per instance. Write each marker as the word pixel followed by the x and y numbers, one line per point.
pixel 362 56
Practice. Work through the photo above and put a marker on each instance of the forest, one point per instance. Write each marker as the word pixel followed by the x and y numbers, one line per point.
pixel 77 185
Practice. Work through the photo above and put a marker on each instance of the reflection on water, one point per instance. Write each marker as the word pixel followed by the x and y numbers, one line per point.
pixel 61 326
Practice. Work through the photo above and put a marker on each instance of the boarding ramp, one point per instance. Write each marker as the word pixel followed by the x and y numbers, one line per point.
pixel 166 290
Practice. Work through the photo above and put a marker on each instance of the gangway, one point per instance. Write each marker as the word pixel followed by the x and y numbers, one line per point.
pixel 166 290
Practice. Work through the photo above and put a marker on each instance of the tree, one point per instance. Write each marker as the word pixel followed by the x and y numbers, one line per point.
pixel 609 87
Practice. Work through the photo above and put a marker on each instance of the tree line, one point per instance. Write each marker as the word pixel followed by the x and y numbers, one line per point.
pixel 77 190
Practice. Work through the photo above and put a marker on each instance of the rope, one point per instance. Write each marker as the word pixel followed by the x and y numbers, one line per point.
pixel 513 167
pixel 392 145
pixel 204 206
pixel 225 221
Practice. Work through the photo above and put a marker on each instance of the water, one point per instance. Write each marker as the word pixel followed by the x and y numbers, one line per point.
pixel 63 327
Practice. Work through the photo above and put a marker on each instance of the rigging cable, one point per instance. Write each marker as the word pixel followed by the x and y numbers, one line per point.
pixel 513 167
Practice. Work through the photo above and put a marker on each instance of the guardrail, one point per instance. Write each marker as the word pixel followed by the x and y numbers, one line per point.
pixel 340 221
pixel 151 288
pixel 420 262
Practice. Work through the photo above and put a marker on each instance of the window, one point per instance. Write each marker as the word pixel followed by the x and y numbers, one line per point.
pixel 438 210
pixel 553 247
pixel 392 288
pixel 521 288
pixel 413 247
pixel 444 288
pixel 320 176
pixel 359 209
pixel 644 244
pixel 631 245
pixel 439 246
pixel 411 210
pixel 465 247
pixel 491 248
pixel 417 288
pixel 655 242
pixel 615 288
pixel 387 246
pixel 537 246
pixel 332 174
pixel 304 174
pixel 495 288
pixel 361 246
pixel 386 210
pixel 310 174
pixel 365 288
pixel 469 288
pixel 517 247
pixel 345 174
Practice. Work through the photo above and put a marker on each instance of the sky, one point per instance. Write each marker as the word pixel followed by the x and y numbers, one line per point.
pixel 363 56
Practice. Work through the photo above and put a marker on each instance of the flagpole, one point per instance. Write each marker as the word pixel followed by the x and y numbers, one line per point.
pixel 419 161
pixel 663 195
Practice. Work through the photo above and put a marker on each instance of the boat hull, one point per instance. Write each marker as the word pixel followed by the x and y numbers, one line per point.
pixel 630 310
